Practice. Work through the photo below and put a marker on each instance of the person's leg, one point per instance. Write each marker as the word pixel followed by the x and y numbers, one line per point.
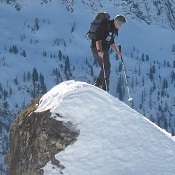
pixel 100 80
pixel 107 66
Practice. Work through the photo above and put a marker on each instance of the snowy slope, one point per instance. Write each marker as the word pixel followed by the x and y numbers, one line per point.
pixel 61 29
pixel 114 139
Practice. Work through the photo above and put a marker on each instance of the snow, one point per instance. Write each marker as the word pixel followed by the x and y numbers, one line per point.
pixel 55 22
pixel 114 139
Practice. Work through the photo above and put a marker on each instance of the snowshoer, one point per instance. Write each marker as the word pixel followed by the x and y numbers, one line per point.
pixel 100 46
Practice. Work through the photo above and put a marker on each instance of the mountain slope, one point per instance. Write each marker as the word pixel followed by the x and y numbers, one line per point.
pixel 42 51
pixel 114 139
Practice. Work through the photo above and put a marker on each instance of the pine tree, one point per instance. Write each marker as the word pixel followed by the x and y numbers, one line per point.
pixel 174 64
pixel 0 87
pixel 67 65
pixel 34 75
pixel 147 58
pixel 143 81
pixel 36 27
pixel 151 73
pixel 139 71
pixel 143 57
pixel 60 55
pixel 28 76
pixel 24 77
pixel 23 53
pixel 43 85
pixel 165 84
pixel 172 76
pixel 16 81
pixel 15 49
pixel 158 95
pixel 119 89
pixel 173 48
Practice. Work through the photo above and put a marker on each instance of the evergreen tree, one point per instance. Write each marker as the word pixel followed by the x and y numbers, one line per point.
pixel 173 48
pixel 44 54
pixel 23 53
pixel 139 71
pixel 172 76
pixel 67 65
pixel 143 57
pixel 174 64
pixel 143 81
pixel 60 55
pixel 34 75
pixel 120 67
pixel 36 27
pixel 151 73
pixel 15 49
pixel 147 58
pixel 165 84
pixel 16 81
pixel 119 89
pixel 28 76
pixel 0 87
pixel 43 85
pixel 158 95
pixel 24 77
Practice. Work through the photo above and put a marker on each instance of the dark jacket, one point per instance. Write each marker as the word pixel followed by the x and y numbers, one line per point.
pixel 106 33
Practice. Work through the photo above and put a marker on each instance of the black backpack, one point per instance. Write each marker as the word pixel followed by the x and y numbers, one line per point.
pixel 101 17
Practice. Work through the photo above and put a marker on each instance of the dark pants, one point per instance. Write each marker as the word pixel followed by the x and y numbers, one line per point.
pixel 101 80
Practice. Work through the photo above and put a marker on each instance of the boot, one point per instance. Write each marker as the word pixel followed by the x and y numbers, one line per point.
pixel 98 84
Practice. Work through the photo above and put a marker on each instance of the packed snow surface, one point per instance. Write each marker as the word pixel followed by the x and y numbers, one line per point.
pixel 114 139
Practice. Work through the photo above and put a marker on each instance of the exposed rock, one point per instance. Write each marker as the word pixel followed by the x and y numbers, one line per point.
pixel 35 138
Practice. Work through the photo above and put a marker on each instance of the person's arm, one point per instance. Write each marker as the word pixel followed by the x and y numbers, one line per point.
pixel 98 45
pixel 99 38
pixel 115 49
pixel 99 49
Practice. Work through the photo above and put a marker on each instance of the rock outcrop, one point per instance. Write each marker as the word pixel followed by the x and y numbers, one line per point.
pixel 34 139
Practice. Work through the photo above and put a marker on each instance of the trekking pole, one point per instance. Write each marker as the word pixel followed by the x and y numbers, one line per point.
pixel 124 71
pixel 104 74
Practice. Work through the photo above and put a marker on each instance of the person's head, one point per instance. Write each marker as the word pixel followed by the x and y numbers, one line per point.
pixel 119 20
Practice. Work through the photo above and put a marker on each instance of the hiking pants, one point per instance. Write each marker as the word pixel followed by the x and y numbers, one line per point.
pixel 100 80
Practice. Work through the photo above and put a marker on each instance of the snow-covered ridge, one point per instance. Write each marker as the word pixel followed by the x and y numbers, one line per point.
pixel 114 139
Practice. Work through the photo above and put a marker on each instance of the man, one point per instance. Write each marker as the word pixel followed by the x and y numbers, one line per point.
pixel 101 44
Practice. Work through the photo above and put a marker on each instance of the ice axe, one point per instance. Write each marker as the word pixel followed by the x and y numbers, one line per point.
pixel 124 72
